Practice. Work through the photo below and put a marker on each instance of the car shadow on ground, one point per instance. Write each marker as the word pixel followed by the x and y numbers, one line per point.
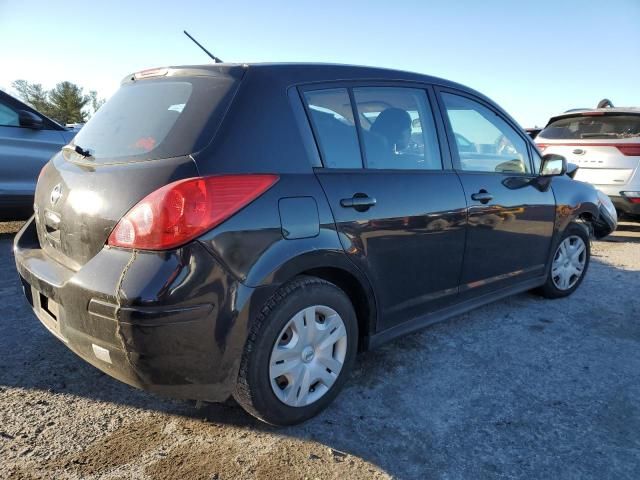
pixel 490 392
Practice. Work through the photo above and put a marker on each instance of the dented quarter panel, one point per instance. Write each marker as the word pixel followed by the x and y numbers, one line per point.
pixel 252 243
pixel 252 247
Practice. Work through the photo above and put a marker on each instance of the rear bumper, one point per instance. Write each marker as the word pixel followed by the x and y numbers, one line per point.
pixel 173 323
pixel 623 204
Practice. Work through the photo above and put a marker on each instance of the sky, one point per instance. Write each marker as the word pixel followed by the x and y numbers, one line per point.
pixel 534 58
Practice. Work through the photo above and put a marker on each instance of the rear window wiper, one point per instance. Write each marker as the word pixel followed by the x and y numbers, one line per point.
pixel 84 152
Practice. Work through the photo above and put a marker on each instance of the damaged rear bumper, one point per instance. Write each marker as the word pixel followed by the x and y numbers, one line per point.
pixel 173 323
pixel 607 220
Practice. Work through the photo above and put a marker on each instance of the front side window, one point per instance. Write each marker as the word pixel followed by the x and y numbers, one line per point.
pixel 485 142
pixel 334 126
pixel 8 117
pixel 398 130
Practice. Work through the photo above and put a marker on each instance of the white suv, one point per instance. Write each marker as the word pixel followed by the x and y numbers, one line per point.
pixel 605 144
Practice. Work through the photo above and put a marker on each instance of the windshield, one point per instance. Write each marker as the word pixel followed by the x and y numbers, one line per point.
pixel 583 127
pixel 152 119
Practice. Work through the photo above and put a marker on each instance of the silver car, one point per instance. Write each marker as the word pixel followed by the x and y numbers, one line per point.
pixel 28 140
pixel 605 144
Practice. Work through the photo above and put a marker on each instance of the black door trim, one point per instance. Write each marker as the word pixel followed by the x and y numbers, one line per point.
pixel 448 312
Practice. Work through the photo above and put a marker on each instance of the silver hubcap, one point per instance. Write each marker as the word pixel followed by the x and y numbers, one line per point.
pixel 308 356
pixel 568 263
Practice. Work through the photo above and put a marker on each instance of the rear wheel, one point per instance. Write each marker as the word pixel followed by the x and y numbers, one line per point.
pixel 569 264
pixel 299 352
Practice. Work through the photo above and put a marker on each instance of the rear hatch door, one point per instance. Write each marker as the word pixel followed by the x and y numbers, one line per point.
pixel 139 141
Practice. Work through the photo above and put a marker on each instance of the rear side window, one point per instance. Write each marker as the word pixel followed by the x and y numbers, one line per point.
pixel 151 119
pixel 593 126
pixel 485 142
pixel 332 119
pixel 398 129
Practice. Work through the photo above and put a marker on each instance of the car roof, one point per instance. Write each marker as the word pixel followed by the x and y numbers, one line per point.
pixel 329 71
pixel 292 73
pixel 300 73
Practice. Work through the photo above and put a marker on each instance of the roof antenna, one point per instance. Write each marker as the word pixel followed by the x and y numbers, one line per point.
pixel 215 59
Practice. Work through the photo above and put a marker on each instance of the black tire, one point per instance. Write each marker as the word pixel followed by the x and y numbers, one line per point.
pixel 253 388
pixel 549 289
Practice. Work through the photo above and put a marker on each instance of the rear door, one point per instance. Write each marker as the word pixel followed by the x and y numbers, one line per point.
pixel 398 205
pixel 510 221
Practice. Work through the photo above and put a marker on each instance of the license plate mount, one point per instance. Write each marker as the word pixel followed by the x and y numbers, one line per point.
pixel 48 312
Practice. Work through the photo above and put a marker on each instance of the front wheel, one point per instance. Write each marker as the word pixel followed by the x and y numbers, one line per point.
pixel 569 264
pixel 299 352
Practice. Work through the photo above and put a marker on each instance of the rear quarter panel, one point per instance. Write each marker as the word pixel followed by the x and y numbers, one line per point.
pixel 252 243
pixel 256 249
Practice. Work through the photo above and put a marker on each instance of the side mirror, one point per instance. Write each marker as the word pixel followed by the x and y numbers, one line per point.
pixel 553 165
pixel 30 120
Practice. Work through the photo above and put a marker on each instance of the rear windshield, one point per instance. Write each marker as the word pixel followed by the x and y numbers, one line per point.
pixel 583 127
pixel 162 118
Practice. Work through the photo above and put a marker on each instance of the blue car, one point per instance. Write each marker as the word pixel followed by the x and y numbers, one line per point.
pixel 28 140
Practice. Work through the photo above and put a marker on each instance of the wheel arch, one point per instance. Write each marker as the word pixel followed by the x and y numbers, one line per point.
pixel 349 284
pixel 336 268
pixel 576 202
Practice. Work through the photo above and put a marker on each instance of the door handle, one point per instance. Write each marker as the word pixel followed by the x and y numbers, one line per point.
pixel 482 196
pixel 360 201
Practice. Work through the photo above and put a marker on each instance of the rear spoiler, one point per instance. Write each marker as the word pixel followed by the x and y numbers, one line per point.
pixel 233 70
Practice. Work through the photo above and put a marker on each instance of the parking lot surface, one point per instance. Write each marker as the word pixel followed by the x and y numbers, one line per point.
pixel 522 388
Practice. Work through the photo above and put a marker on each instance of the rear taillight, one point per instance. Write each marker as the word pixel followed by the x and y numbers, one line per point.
pixel 181 211
pixel 630 149
pixel 633 197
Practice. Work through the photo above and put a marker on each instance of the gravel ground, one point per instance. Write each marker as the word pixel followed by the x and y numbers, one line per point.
pixel 522 388
pixel 10 227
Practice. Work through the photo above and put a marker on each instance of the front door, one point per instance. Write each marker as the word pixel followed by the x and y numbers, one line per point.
pixel 510 221
pixel 399 211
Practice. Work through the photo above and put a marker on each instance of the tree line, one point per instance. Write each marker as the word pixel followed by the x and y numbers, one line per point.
pixel 64 103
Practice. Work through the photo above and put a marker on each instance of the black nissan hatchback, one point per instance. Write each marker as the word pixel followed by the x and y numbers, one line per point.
pixel 244 230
